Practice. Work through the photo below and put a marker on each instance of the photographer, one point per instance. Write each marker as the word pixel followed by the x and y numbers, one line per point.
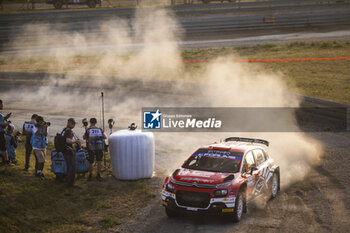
pixel 11 143
pixel 95 137
pixel 3 124
pixel 72 145
pixel 39 143
pixel 28 127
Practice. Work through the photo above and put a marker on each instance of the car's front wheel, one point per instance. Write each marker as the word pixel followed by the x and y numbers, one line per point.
pixel 239 207
pixel 170 213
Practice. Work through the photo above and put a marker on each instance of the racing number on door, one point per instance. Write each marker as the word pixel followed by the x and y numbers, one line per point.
pixel 249 163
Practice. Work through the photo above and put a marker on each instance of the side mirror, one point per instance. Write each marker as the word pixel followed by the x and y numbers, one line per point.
pixel 252 170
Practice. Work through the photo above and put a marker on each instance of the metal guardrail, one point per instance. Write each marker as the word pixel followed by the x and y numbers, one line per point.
pixel 327 109
pixel 214 4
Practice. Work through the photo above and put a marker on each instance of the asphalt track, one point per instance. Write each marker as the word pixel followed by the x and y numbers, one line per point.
pixel 200 25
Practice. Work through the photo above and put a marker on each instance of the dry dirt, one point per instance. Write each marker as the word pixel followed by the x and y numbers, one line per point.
pixel 319 203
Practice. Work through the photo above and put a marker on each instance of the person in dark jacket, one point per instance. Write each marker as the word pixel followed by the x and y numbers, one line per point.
pixel 3 124
pixel 72 142
pixel 28 127
pixel 11 143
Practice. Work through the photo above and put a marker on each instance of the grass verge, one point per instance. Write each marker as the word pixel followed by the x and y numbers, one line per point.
pixel 29 204
pixel 321 79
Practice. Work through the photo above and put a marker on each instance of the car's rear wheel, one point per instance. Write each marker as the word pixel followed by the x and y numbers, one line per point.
pixel 239 207
pixel 274 185
pixel 170 213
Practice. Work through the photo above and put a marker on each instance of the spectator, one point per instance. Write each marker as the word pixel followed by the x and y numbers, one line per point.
pixel 72 143
pixel 3 124
pixel 28 127
pixel 95 137
pixel 11 143
pixel 39 144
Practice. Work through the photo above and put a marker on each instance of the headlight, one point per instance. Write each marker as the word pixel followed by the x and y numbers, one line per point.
pixel 170 187
pixel 220 193
pixel 223 185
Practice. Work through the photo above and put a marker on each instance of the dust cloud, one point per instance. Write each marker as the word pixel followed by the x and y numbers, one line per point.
pixel 130 54
pixel 245 85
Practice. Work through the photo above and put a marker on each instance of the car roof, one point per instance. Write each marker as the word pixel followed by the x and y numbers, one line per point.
pixel 233 146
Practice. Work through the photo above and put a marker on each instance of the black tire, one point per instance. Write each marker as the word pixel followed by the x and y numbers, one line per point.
pixel 91 3
pixel 274 185
pixel 58 4
pixel 240 206
pixel 170 213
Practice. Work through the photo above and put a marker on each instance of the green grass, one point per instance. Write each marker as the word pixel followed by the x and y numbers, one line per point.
pixel 321 79
pixel 109 221
pixel 29 204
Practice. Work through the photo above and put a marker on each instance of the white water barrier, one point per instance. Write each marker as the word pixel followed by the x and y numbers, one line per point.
pixel 132 154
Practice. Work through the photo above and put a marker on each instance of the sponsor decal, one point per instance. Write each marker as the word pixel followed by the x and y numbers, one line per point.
pixel 196 180
pixel 194 173
pixel 227 210
pixel 219 154
pixel 250 181
pixel 167 194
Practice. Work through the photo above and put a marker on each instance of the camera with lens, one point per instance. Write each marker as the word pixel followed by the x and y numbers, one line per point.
pixel 111 123
pixel 132 126
pixel 85 122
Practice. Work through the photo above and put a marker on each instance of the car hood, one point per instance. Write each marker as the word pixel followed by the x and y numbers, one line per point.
pixel 200 177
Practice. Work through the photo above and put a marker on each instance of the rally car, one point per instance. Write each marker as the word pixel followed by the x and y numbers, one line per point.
pixel 222 178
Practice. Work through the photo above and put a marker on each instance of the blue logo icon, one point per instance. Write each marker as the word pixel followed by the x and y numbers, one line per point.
pixel 152 120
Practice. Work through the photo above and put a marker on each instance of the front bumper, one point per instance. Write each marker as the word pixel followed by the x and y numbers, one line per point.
pixel 216 205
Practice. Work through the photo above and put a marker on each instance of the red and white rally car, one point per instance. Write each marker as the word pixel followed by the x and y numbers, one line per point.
pixel 222 178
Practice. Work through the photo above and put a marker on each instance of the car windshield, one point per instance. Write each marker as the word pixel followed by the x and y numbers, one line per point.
pixel 214 161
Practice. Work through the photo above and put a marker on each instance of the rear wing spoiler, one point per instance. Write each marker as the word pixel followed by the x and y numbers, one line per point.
pixel 238 139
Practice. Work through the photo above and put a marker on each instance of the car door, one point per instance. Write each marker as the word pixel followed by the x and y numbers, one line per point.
pixel 248 174
pixel 261 172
